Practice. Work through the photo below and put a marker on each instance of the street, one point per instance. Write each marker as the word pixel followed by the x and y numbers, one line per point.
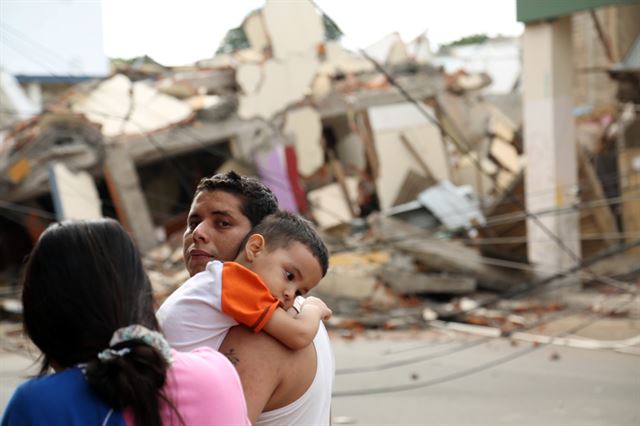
pixel 541 385
pixel 550 385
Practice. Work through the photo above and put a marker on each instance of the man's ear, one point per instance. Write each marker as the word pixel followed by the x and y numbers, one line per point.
pixel 255 245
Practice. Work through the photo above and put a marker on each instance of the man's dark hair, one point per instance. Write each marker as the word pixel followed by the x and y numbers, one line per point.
pixel 257 200
pixel 282 228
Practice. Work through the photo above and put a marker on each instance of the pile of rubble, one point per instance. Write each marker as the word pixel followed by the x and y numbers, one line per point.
pixel 336 136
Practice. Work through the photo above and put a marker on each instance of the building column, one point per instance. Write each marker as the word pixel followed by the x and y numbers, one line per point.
pixel 550 145
pixel 124 187
pixel 34 92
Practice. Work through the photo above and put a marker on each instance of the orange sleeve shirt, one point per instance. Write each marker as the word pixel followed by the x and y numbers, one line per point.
pixel 245 297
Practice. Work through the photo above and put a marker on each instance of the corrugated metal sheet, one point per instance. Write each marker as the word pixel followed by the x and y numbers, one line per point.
pixel 631 61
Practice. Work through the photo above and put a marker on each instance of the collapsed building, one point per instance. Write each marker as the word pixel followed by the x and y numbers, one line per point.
pixel 336 135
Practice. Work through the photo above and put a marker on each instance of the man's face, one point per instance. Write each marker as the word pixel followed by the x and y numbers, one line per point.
pixel 288 272
pixel 215 228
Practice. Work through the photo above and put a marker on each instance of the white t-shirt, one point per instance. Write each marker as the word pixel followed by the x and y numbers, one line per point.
pixel 203 309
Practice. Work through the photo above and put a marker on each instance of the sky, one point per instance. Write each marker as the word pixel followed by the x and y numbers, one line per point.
pixel 181 32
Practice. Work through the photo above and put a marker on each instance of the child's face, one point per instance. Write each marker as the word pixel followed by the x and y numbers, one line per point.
pixel 288 272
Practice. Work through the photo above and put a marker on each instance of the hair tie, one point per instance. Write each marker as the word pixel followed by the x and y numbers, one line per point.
pixel 152 338
pixel 109 354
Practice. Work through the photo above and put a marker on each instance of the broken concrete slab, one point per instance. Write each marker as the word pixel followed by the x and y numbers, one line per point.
pixel 249 77
pixel 414 183
pixel 401 273
pixel 500 125
pixel 74 195
pixel 248 56
pixel 420 49
pixel 340 60
pixel 357 283
pixel 329 206
pixel 397 53
pixel 443 255
pixel 185 84
pixel 466 173
pixel 389 50
pixel 407 281
pixel 256 32
pixel 390 125
pixel 126 108
pixel 320 88
pixel 283 83
pixel 291 37
pixel 464 117
pixel 304 129
pixel 506 155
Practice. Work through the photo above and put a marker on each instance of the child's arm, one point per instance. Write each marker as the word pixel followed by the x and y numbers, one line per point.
pixel 297 332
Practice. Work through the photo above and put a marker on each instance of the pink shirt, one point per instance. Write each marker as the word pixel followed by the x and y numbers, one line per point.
pixel 205 389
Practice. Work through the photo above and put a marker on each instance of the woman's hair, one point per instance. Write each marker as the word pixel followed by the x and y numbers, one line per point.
pixel 83 281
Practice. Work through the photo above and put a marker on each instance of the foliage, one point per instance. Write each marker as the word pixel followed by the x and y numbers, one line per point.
pixel 235 39
pixel 331 29
pixel 465 41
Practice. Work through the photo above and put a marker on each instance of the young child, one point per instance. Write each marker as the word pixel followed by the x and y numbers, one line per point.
pixel 282 258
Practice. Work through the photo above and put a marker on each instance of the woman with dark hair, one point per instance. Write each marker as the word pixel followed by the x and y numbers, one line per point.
pixel 87 305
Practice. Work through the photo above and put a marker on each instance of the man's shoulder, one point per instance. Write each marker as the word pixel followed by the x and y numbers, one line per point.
pixel 269 349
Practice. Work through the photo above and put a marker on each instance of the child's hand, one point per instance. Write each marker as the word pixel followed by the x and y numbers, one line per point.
pixel 325 312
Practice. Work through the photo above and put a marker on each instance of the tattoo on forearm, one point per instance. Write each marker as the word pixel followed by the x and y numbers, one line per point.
pixel 231 355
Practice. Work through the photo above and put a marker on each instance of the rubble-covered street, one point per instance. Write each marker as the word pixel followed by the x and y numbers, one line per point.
pixel 480 201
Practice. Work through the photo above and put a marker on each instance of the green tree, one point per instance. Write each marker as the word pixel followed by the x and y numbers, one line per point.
pixel 465 41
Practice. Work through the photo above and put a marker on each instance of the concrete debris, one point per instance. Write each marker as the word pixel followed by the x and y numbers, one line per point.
pixel 123 107
pixel 25 152
pixel 254 28
pixel 361 278
pixel 186 84
pixel 74 195
pixel 249 76
pixel 423 153
pixel 304 127
pixel 401 274
pixel 411 283
pixel 282 83
pixel 339 60
pixel 418 193
pixel 329 206
pixel 307 27
pixel 442 255
pixel 461 82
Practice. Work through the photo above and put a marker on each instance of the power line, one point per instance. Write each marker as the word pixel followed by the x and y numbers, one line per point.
pixel 390 78
pixel 465 148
